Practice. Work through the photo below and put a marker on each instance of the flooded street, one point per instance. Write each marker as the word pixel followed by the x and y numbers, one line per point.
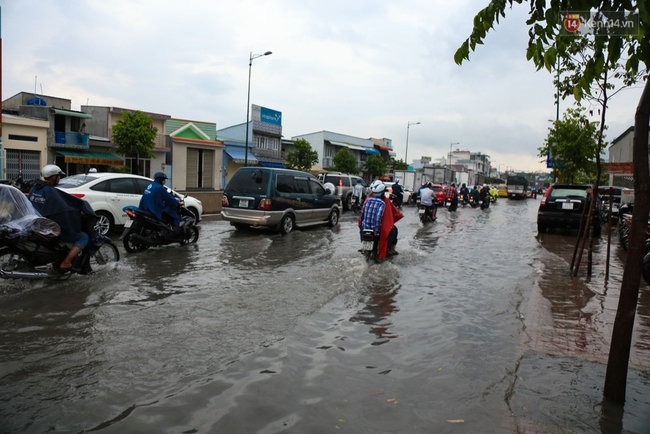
pixel 475 327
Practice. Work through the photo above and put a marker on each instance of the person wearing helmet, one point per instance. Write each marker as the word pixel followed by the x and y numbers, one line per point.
pixel 160 202
pixel 379 215
pixel 398 192
pixel 464 193
pixel 473 196
pixel 357 192
pixel 428 199
pixel 74 216
pixel 483 193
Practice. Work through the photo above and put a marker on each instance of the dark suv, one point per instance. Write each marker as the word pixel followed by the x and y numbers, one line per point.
pixel 278 198
pixel 562 206
pixel 343 183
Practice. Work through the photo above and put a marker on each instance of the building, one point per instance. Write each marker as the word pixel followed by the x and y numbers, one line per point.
pixel 620 167
pixel 471 161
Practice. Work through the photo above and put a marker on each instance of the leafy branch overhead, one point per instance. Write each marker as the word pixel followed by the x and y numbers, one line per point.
pixel 546 40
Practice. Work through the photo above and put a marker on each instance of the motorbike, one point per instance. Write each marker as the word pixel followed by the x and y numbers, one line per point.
pixel 144 230
pixel 424 212
pixel 450 205
pixel 485 202
pixel 396 201
pixel 30 247
pixel 356 205
pixel 463 199
pixel 370 245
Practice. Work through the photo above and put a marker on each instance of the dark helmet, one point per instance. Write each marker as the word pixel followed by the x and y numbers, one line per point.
pixel 159 176
pixel 429 184
pixel 453 185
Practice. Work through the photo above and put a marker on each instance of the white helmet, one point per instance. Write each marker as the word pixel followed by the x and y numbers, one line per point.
pixel 377 187
pixel 51 170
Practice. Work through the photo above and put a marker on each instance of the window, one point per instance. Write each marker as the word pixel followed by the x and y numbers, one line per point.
pixel 200 168
pixel 144 165
pixel 142 185
pixel 316 188
pixel 285 184
pixel 122 185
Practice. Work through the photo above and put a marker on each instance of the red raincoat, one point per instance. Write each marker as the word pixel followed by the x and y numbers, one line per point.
pixel 388 220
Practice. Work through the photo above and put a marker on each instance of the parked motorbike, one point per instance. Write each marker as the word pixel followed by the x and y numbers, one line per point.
pixel 144 230
pixel 370 245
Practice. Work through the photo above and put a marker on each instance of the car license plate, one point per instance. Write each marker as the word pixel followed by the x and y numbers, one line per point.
pixel 128 223
pixel 243 203
pixel 366 245
pixel 567 205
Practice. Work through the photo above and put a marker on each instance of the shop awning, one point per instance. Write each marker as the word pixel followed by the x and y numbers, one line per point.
pixel 71 113
pixel 239 157
pixel 94 158
pixel 384 148
pixel 347 145
pixel 372 151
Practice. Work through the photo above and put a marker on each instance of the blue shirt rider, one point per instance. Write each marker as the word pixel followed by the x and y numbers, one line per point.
pixel 160 202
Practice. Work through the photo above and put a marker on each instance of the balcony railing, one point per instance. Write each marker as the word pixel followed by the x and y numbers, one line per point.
pixel 68 139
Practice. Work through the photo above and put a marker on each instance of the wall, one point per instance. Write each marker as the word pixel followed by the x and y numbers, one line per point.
pixel 211 200
pixel 25 127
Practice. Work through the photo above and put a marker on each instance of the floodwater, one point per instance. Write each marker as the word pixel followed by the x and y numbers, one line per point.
pixel 476 326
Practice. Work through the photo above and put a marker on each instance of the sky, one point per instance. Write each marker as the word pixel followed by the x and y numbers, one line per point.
pixel 365 68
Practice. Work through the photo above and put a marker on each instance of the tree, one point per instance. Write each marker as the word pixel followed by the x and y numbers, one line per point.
pixel 375 166
pixel 303 157
pixel 545 43
pixel 573 145
pixel 134 134
pixel 345 161
pixel 400 165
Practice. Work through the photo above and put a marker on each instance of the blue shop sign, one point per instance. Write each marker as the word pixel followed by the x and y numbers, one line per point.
pixel 270 116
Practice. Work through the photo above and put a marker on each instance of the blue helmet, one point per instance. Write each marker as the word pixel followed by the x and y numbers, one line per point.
pixel 159 176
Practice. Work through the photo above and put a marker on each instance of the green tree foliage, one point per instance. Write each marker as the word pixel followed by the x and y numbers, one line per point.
pixel 375 166
pixel 303 157
pixel 345 161
pixel 134 134
pixel 399 165
pixel 573 144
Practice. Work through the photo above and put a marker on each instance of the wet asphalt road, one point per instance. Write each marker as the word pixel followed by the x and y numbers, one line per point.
pixel 476 326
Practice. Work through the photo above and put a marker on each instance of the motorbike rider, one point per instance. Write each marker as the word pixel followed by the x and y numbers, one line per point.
pixel 428 199
pixel 398 191
pixel 473 195
pixel 494 193
pixel 464 191
pixel 357 192
pixel 379 215
pixel 160 202
pixel 484 193
pixel 452 194
pixel 74 216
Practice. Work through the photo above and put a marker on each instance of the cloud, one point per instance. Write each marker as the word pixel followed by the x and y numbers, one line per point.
pixel 363 68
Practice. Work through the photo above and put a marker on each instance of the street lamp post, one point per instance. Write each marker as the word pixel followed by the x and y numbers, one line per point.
pixel 450 145
pixel 248 100
pixel 407 141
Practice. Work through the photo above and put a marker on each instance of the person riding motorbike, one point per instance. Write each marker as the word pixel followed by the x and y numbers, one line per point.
pixel 398 192
pixel 452 194
pixel 379 215
pixel 473 195
pixel 428 199
pixel 160 202
pixel 74 216
pixel 484 193
pixel 494 193
pixel 357 192
pixel 464 192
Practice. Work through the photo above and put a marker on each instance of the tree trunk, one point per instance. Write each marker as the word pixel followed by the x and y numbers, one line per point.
pixel 619 350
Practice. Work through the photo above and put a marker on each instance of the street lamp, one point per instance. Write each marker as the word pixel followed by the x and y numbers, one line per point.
pixel 450 145
pixel 407 141
pixel 248 101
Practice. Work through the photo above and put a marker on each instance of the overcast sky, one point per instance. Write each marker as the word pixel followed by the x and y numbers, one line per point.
pixel 365 68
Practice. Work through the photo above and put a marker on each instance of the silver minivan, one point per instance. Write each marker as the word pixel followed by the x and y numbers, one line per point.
pixel 278 198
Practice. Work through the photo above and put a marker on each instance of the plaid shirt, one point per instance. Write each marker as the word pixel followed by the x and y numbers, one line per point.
pixel 371 214
pixel 451 192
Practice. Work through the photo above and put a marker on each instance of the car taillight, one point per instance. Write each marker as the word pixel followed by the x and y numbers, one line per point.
pixel 224 200
pixel 79 195
pixel 265 204
pixel 340 181
pixel 543 201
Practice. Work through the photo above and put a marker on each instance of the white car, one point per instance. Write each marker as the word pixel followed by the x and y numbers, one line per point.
pixel 108 193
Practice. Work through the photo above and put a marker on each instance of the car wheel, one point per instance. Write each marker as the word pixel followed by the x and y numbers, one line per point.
pixel 333 219
pixel 348 202
pixel 286 224
pixel 105 223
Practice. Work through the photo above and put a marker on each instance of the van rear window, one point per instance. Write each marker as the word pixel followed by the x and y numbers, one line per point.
pixel 248 182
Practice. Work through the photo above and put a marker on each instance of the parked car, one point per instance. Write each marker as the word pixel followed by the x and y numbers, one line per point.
pixel 343 184
pixel 108 193
pixel 562 205
pixel 278 198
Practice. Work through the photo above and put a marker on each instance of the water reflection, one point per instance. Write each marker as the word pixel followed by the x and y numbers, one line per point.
pixel 379 305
